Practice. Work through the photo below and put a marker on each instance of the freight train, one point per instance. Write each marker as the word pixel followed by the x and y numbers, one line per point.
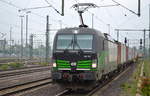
pixel 82 55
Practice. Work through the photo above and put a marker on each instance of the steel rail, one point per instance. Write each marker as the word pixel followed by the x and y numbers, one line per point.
pixel 63 92
pixel 23 71
pixel 24 87
pixel 107 83
pixel 99 86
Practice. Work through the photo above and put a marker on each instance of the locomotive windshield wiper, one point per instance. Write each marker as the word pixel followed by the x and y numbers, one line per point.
pixel 80 50
pixel 75 43
pixel 70 44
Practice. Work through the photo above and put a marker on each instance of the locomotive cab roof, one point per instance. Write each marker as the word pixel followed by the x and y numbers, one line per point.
pixel 80 30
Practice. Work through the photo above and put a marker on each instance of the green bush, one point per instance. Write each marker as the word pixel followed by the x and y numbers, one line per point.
pixel 130 87
pixel 145 87
pixel 16 65
pixel 44 63
pixel 4 67
pixel 146 90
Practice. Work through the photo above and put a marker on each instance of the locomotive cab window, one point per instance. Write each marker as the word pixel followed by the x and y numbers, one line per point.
pixel 74 42
pixel 65 42
pixel 84 42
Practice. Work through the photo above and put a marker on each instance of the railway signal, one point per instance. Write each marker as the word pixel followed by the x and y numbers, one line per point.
pixel 140 43
pixel 125 40
pixel 142 30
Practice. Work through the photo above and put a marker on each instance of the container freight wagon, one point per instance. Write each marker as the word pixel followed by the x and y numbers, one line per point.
pixel 123 54
pixel 111 57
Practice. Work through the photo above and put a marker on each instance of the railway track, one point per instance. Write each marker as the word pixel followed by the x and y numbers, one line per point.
pixel 24 61
pixel 105 85
pixel 98 87
pixel 24 71
pixel 24 87
pixel 6 61
pixel 63 93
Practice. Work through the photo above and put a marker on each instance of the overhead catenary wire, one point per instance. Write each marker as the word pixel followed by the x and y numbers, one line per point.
pixel 111 16
pixel 117 4
pixel 128 8
pixel 18 8
pixel 107 24
pixel 109 5
pixel 97 18
pixel 33 21
pixel 34 8
pixel 14 5
pixel 17 26
pixel 130 19
pixel 53 7
pixel 108 14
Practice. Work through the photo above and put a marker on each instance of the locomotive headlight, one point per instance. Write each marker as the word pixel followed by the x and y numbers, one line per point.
pixel 54 64
pixel 94 64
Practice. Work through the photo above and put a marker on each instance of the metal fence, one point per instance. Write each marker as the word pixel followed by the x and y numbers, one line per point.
pixel 35 49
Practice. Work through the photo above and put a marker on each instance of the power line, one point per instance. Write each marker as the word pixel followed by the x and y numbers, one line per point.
pixel 111 16
pixel 107 24
pixel 36 22
pixel 128 8
pixel 17 26
pixel 13 5
pixel 53 7
pixel 97 18
pixel 130 19
pixel 17 7
pixel 25 9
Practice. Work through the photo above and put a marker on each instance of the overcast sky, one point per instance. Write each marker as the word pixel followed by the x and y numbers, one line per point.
pixel 116 16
